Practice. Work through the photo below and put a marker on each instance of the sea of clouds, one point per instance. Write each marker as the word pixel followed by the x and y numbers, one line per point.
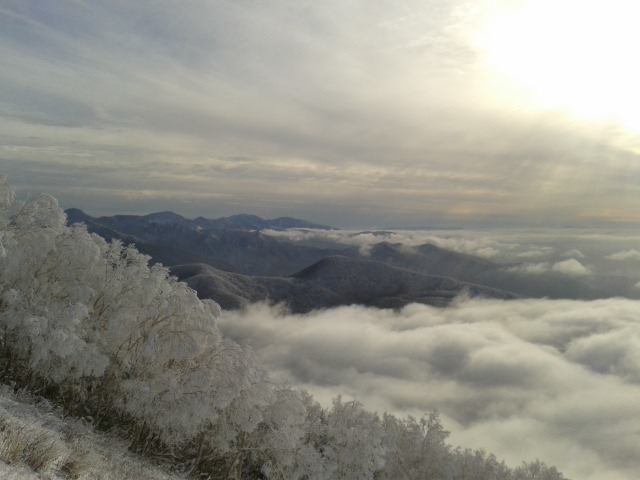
pixel 568 251
pixel 557 380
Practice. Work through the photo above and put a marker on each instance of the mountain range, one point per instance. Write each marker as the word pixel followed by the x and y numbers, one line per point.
pixel 233 222
pixel 232 261
pixel 231 244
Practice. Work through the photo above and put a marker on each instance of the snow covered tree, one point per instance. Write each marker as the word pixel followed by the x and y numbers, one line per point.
pixel 356 438
pixel 80 312
pixel 466 464
pixel 416 449
pixel 537 471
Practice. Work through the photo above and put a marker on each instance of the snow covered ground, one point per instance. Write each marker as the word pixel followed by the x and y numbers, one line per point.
pixel 37 443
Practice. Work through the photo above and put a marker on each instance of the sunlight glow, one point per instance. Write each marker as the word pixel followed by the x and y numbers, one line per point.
pixel 576 55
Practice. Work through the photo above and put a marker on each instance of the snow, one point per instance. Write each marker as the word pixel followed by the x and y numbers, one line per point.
pixel 70 445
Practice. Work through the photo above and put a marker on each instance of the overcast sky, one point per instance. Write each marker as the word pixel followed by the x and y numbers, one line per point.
pixel 353 113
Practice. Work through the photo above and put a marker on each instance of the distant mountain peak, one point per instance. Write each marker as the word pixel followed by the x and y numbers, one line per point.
pixel 330 263
pixel 245 217
pixel 74 211
pixel 340 266
pixel 75 215
pixel 283 223
pixel 165 217
pixel 254 222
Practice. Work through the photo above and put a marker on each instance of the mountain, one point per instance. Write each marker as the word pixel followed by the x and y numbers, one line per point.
pixel 171 239
pixel 433 260
pixel 234 222
pixel 253 222
pixel 231 245
pixel 332 281
pixel 430 259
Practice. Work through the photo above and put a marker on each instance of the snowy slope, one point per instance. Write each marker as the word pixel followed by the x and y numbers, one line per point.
pixel 36 442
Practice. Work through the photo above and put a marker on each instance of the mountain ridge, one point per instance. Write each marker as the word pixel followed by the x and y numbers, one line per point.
pixel 182 241
pixel 172 240
pixel 241 221
pixel 331 282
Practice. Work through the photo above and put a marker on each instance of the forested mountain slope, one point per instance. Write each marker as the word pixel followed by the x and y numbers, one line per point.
pixel 330 282
pixel 174 240
pixel 433 260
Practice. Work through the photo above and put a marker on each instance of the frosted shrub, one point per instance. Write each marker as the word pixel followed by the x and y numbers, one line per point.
pixel 83 314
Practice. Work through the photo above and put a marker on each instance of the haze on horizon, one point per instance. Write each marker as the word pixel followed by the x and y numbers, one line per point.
pixel 448 112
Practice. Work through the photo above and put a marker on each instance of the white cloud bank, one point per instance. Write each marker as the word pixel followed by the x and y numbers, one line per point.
pixel 469 242
pixel 557 380
pixel 570 267
pixel 631 254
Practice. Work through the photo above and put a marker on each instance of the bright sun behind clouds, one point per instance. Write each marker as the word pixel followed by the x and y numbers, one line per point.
pixel 579 56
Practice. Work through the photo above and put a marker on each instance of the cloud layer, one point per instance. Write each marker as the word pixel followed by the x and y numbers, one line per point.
pixel 552 245
pixel 632 254
pixel 571 267
pixel 482 244
pixel 567 262
pixel 558 380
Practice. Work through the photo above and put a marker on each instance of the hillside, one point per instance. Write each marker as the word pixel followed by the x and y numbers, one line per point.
pixel 37 442
pixel 332 281
pixel 433 260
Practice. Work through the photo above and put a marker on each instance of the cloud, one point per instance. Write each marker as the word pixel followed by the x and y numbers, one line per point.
pixel 558 252
pixel 631 254
pixel 312 109
pixel 574 253
pixel 530 268
pixel 556 380
pixel 570 267
pixel 535 252
pixel 482 245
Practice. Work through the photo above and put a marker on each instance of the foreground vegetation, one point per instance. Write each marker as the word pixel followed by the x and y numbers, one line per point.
pixel 37 442
pixel 90 326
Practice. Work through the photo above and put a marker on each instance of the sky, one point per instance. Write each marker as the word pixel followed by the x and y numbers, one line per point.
pixel 350 113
